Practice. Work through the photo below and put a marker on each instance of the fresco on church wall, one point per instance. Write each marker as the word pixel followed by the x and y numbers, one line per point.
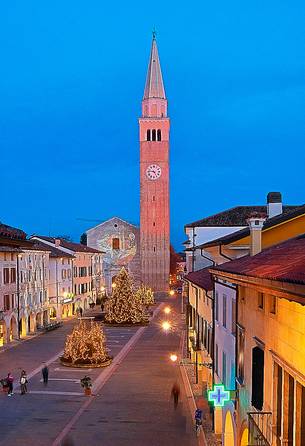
pixel 127 255
pixel 122 256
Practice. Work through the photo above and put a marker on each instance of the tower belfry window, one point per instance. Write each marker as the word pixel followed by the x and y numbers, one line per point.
pixel 153 135
pixel 159 135
pixel 148 135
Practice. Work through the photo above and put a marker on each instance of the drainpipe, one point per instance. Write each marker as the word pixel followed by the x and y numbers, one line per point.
pixel 224 255
pixel 208 258
pixel 193 248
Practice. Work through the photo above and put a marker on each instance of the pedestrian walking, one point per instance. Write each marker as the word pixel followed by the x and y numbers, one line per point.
pixel 81 311
pixel 45 374
pixel 176 393
pixel 23 383
pixel 10 383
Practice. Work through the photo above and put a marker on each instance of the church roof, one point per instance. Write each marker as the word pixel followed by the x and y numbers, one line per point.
pixel 154 87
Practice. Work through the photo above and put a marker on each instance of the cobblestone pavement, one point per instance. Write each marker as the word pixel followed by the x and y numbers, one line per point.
pixel 131 403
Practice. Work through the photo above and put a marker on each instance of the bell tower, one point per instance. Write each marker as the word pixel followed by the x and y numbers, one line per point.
pixel 154 179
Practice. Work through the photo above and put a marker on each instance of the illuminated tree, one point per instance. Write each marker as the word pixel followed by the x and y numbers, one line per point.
pixel 123 306
pixel 145 295
pixel 86 344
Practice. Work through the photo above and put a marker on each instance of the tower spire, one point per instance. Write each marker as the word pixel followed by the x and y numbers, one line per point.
pixel 154 87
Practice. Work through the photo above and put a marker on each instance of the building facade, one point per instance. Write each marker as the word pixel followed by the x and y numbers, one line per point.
pixel 154 179
pixel 270 333
pixel 80 272
pixel 120 243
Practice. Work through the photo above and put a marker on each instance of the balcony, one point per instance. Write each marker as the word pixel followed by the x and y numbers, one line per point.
pixel 260 431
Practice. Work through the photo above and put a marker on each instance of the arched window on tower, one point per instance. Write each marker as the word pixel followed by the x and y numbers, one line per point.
pixel 159 135
pixel 153 135
pixel 148 135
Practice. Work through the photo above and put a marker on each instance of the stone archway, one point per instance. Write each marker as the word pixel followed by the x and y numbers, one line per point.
pixel 53 313
pixel 228 435
pixel 13 329
pixel 32 323
pixel 244 437
pixel 23 327
pixel 3 334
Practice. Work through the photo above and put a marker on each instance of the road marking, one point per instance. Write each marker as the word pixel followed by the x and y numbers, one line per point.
pixel 63 379
pixel 104 376
pixel 50 392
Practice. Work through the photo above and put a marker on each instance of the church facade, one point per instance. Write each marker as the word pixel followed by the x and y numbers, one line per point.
pixel 144 251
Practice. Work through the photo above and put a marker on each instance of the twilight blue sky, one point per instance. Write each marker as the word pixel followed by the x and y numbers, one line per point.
pixel 71 83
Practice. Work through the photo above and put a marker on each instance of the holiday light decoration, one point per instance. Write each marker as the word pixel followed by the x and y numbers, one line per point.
pixel 124 306
pixel 145 295
pixel 86 346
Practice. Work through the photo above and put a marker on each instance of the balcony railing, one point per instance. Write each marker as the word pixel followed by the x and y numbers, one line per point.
pixel 260 431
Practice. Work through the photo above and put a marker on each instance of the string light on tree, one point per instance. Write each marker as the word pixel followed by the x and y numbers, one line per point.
pixel 124 307
pixel 86 345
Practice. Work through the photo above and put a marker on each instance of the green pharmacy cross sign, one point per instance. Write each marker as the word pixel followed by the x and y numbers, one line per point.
pixel 219 396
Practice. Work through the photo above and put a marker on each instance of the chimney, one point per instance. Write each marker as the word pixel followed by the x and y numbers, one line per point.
pixel 274 204
pixel 57 242
pixel 256 223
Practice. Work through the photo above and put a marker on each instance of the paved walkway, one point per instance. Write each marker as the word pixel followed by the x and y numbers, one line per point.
pixel 131 405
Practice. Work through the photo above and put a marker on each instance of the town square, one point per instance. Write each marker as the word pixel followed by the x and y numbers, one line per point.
pixel 152 224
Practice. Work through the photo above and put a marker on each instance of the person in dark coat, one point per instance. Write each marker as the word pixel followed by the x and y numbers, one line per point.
pixel 45 374
pixel 175 394
pixel 10 383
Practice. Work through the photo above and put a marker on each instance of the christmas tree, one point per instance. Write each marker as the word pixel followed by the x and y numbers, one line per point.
pixel 123 307
pixel 145 295
pixel 86 345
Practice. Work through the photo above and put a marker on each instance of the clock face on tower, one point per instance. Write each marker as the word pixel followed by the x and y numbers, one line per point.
pixel 153 172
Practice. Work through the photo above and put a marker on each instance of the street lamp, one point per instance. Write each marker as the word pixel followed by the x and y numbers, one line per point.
pixel 172 292
pixel 166 325
pixel 173 357
pixel 167 310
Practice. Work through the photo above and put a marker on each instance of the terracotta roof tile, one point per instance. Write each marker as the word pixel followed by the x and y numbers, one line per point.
pixel 201 278
pixel 76 247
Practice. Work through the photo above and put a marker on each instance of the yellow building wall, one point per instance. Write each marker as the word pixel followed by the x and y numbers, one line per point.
pixel 283 333
pixel 279 233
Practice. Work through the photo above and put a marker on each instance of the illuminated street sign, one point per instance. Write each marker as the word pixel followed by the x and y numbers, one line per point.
pixel 219 396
